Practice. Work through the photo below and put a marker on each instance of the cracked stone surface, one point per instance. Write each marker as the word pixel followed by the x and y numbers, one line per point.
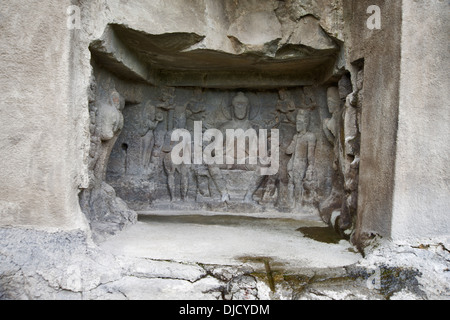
pixel 68 265
pixel 230 240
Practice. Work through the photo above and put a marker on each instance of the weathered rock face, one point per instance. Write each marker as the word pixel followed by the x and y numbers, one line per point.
pixel 42 131
pixel 92 92
pixel 226 44
pixel 281 58
pixel 64 265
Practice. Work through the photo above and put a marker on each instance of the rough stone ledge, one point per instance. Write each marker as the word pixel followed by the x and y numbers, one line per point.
pixel 41 265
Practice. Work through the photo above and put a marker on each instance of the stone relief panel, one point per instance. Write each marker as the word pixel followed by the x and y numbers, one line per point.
pixel 142 172
pixel 132 169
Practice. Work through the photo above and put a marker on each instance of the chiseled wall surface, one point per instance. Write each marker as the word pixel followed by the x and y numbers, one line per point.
pixel 380 49
pixel 421 210
pixel 41 129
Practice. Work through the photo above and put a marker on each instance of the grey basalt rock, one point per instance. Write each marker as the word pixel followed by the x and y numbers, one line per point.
pixel 93 90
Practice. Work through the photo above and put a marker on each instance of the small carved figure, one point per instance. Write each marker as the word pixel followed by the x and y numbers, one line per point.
pixel 342 130
pixel 179 122
pixel 350 161
pixel 286 106
pixel 99 201
pixel 302 151
pixel 109 121
pixel 331 129
pixel 195 109
pixel 167 103
pixel 149 122
pixel 310 100
pixel 285 114
pixel 331 125
pixel 310 185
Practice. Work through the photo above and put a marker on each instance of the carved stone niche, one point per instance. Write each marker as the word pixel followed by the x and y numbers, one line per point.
pixel 199 96
pixel 142 172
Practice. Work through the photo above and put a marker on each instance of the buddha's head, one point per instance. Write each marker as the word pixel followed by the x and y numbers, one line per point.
pixel 240 105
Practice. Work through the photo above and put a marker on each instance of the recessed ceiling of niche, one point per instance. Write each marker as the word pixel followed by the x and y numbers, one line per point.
pixel 177 59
